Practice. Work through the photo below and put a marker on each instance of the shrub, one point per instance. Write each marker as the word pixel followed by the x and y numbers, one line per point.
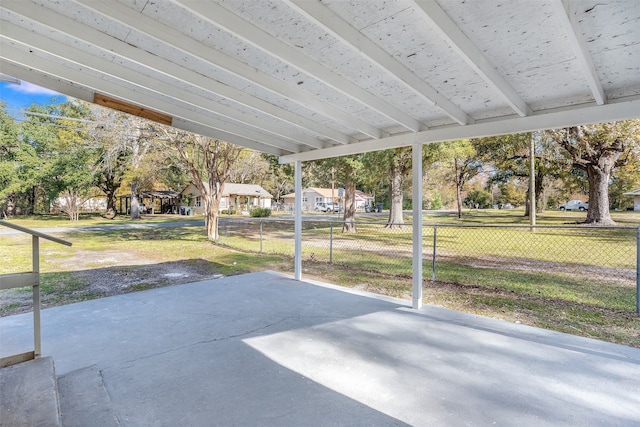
pixel 436 203
pixel 260 212
pixel 478 199
pixel 228 212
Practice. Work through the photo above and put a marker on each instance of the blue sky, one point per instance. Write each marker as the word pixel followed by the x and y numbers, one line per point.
pixel 17 97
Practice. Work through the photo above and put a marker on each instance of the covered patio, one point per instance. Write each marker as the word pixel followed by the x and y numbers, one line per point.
pixel 308 80
pixel 263 349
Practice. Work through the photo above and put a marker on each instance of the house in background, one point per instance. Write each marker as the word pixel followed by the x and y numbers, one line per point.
pixel 636 198
pixel 312 195
pixel 237 197
pixel 151 202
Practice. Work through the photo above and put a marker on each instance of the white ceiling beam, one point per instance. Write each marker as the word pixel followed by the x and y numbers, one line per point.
pixel 144 82
pixel 62 86
pixel 459 42
pixel 171 37
pixel 342 30
pixel 120 90
pixel 174 71
pixel 551 119
pixel 571 26
pixel 202 129
pixel 68 88
pixel 259 38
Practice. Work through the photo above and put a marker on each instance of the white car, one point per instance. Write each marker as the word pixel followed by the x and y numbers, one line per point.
pixel 574 205
pixel 326 207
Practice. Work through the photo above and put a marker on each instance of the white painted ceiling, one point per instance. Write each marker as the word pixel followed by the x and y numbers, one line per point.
pixel 306 79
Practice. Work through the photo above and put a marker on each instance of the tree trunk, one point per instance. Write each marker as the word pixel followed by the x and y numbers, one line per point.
pixel 396 219
pixel 211 206
pixel 349 225
pixel 11 205
pixel 111 203
pixel 135 205
pixel 598 212
pixel 458 188
pixel 540 205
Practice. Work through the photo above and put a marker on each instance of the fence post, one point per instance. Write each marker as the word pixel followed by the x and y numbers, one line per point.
pixel 330 242
pixel 638 271
pixel 433 266
pixel 260 235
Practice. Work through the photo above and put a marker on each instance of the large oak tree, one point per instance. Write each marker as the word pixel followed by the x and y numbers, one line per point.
pixel 598 150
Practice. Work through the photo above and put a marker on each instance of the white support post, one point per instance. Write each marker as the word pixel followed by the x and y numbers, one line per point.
pixel 532 183
pixel 297 258
pixel 35 255
pixel 417 225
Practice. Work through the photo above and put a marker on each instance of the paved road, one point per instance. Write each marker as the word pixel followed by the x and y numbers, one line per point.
pixel 192 223
pixel 53 230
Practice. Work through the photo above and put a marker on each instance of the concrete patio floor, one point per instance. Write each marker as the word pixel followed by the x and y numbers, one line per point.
pixel 264 350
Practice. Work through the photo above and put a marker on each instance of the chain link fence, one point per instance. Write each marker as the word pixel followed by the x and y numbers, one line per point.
pixel 379 256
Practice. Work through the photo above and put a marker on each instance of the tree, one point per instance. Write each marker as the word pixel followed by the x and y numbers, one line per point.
pixel 10 148
pixel 624 179
pixel 251 168
pixel 399 160
pixel 346 169
pixel 62 155
pixel 209 162
pixel 464 164
pixel 598 150
pixel 114 157
pixel 509 155
pixel 279 179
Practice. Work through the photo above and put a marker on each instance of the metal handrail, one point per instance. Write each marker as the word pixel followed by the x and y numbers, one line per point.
pixel 31 278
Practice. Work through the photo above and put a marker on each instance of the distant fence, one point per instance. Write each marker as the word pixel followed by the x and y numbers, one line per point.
pixel 467 254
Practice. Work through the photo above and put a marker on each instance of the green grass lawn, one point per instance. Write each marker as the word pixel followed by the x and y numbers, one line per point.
pixel 563 286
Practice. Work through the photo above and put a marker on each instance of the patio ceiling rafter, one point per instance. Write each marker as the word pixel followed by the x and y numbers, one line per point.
pixel 451 33
pixel 257 37
pixel 365 47
pixel 571 26
pixel 310 79
pixel 178 40
pixel 32 62
pixel 99 65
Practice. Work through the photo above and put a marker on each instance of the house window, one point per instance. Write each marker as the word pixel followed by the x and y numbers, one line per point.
pixel 304 199
pixel 319 199
pixel 198 202
pixel 223 203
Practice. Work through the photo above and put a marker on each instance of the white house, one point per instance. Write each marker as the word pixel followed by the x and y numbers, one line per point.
pixel 636 198
pixel 312 195
pixel 238 197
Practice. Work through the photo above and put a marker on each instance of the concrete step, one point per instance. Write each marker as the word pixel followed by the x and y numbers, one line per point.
pixel 28 394
pixel 84 400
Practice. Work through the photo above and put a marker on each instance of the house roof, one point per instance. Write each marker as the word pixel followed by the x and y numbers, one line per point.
pixel 159 194
pixel 327 193
pixel 314 79
pixel 232 189
pixel 632 193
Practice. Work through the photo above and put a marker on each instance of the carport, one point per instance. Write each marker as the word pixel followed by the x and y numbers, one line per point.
pixel 308 80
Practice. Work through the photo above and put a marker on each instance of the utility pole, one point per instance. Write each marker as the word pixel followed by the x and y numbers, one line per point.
pixel 333 171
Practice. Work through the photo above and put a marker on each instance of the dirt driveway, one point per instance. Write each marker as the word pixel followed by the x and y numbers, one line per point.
pixel 96 274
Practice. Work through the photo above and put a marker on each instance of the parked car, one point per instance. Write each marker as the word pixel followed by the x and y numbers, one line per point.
pixel 574 205
pixel 326 207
